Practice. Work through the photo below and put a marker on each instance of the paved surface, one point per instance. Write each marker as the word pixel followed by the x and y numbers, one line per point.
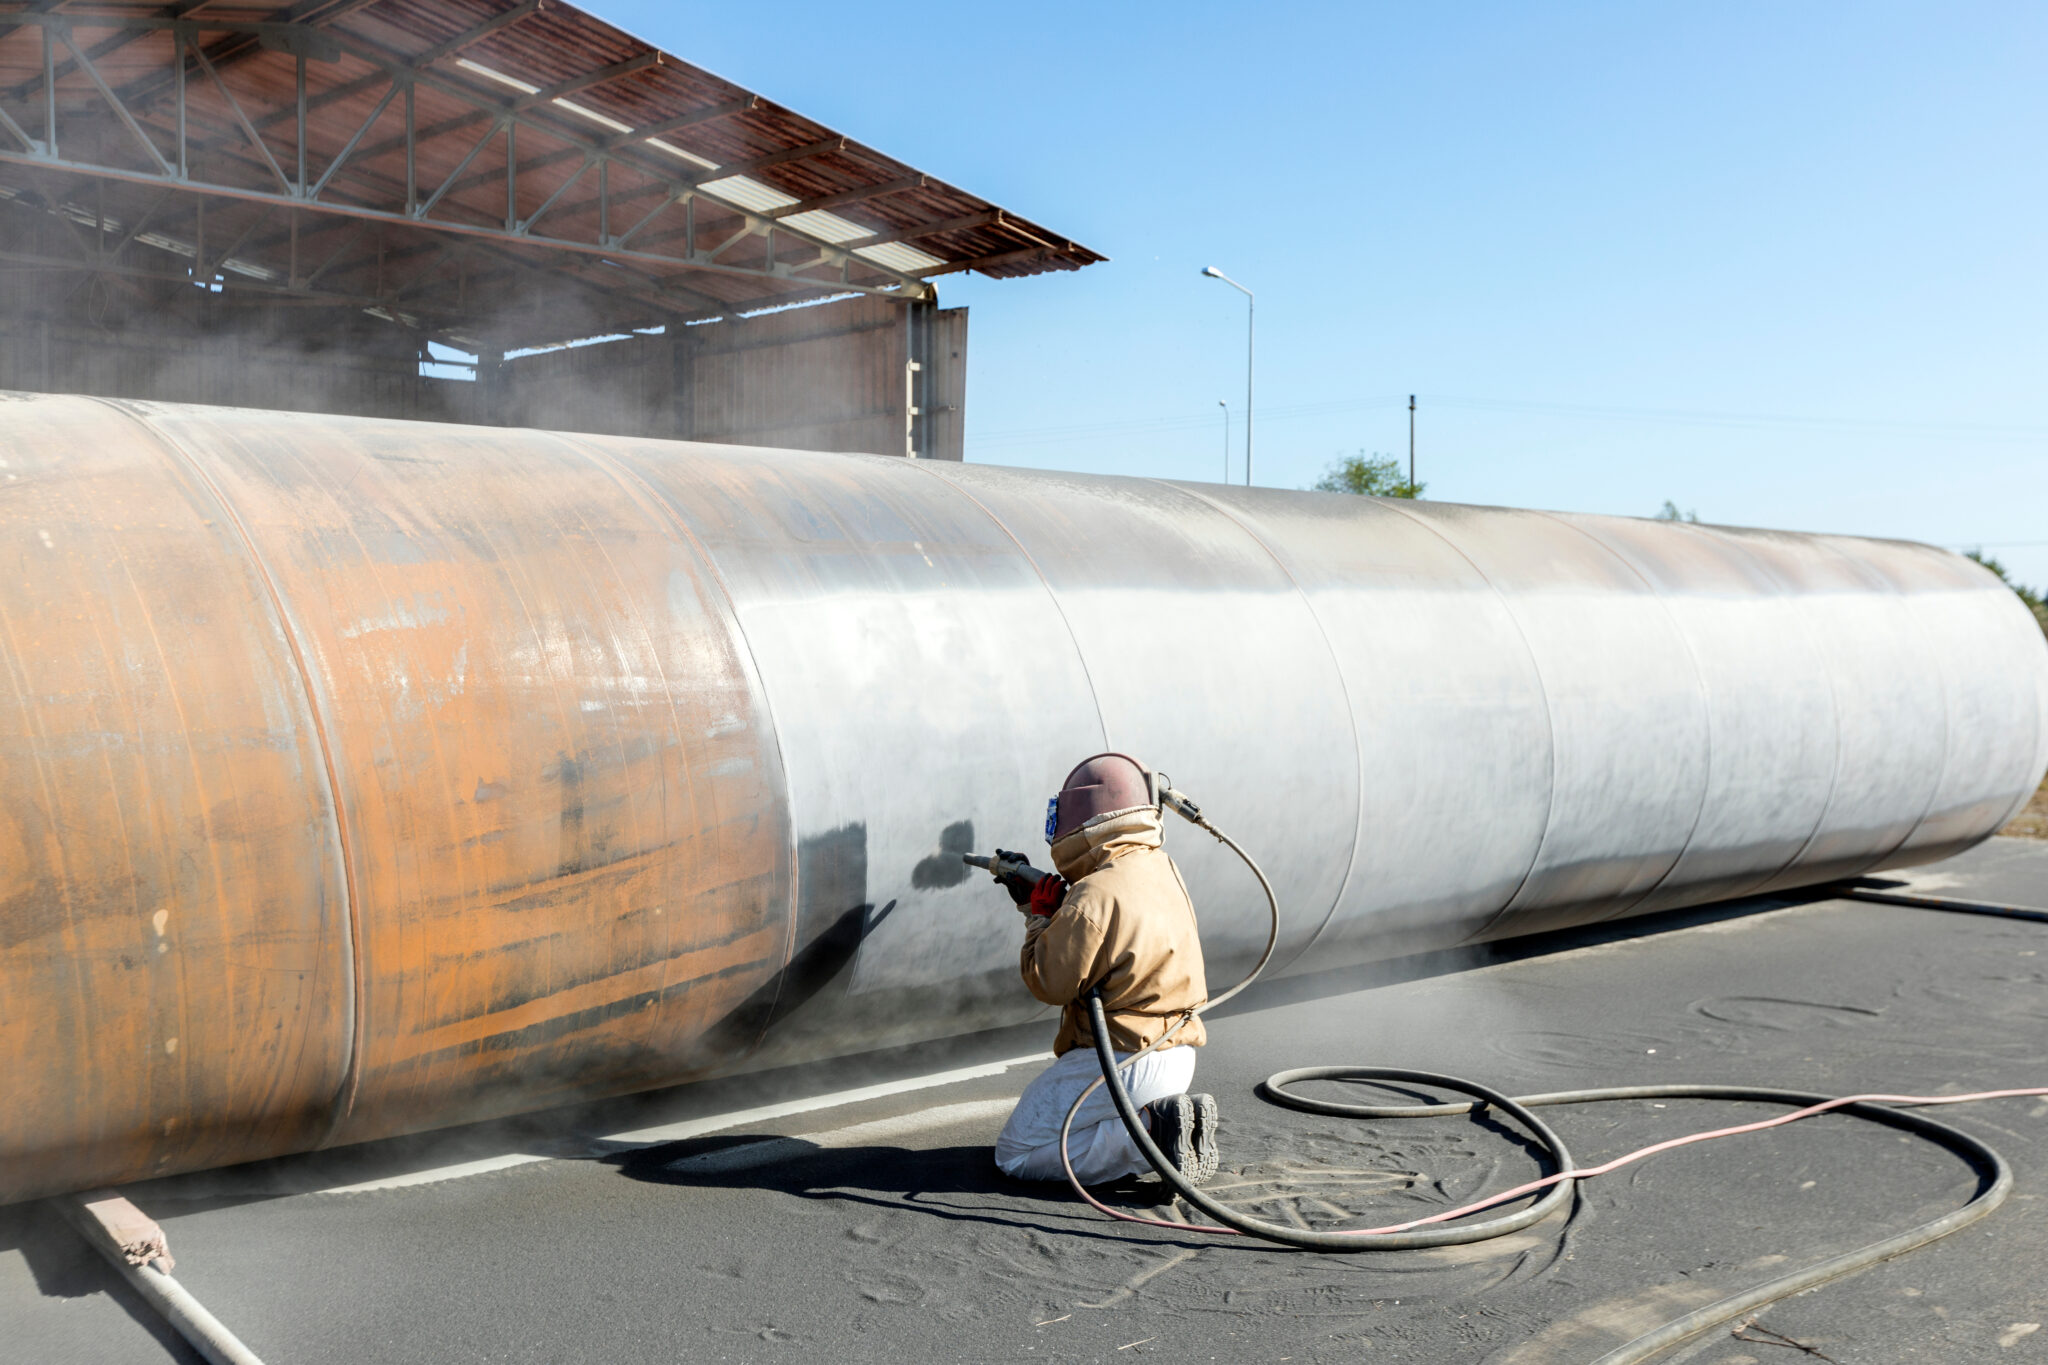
pixel 883 1232
pixel 2001 871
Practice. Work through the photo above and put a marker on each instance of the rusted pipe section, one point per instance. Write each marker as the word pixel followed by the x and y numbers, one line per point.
pixel 364 776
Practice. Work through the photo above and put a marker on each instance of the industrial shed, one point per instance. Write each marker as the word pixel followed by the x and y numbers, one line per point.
pixel 294 206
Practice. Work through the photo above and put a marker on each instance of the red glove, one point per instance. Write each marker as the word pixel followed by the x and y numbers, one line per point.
pixel 1047 895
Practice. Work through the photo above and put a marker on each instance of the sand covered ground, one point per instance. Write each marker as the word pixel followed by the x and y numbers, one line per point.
pixel 2031 823
pixel 879 1231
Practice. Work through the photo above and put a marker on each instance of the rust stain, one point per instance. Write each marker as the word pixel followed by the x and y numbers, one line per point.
pixel 173 979
pixel 746 956
pixel 566 845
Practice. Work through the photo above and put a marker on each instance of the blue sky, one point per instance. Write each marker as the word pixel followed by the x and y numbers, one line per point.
pixel 1782 264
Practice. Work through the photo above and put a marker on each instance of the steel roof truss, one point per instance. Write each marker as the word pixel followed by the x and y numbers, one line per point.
pixel 199 266
pixel 341 158
pixel 524 227
pixel 355 87
pixel 538 101
pixel 21 134
pixel 135 229
pixel 247 40
pixel 650 285
pixel 630 233
pixel 433 265
pixel 502 126
pixel 104 47
pixel 114 101
pixel 371 52
pixel 504 115
pixel 333 257
pixel 698 261
pixel 28 16
pixel 745 232
pixel 242 118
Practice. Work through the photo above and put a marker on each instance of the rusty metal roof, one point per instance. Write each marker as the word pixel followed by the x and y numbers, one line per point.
pixel 434 159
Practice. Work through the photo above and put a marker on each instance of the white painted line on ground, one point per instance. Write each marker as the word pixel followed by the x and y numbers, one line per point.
pixel 437 1173
pixel 717 1123
pixel 750 1155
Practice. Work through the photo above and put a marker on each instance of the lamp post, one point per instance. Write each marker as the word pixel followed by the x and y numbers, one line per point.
pixel 1250 306
pixel 1226 438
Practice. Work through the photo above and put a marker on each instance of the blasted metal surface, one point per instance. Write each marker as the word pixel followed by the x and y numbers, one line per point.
pixel 363 776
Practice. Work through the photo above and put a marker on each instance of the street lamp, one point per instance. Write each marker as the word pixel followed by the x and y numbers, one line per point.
pixel 1226 438
pixel 1250 305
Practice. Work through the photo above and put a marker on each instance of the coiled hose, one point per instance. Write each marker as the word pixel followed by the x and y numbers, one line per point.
pixel 1557 1186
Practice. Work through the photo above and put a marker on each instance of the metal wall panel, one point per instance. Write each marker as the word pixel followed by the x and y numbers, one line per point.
pixel 829 377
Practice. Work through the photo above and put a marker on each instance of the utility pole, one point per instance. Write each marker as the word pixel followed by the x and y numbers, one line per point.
pixel 1250 306
pixel 1226 438
pixel 1411 444
pixel 1250 350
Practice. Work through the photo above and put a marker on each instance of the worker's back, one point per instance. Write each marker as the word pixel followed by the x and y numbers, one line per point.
pixel 1126 926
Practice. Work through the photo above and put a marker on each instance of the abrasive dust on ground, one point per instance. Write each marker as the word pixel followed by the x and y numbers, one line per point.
pixel 882 1233
pixel 2032 822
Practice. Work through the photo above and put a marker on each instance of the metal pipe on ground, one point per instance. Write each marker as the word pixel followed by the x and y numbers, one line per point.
pixel 362 777
pixel 1884 896
pixel 134 1246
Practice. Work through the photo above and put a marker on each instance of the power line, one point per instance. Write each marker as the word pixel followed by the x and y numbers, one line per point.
pixel 1035 436
pixel 1028 436
pixel 1691 417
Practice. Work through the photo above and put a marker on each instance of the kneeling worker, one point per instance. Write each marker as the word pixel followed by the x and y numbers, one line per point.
pixel 1120 920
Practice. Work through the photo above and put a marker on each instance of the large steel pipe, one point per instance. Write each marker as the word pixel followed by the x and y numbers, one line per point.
pixel 363 776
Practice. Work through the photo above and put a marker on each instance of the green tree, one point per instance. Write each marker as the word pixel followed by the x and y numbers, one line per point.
pixel 2031 596
pixel 1371 476
pixel 1669 512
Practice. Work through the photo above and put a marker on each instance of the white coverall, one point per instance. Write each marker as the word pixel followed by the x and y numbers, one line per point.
pixel 1101 1149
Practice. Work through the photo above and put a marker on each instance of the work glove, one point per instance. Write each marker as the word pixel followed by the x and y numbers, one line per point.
pixel 1047 895
pixel 1019 887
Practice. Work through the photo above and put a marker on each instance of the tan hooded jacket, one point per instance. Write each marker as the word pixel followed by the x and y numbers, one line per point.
pixel 1126 925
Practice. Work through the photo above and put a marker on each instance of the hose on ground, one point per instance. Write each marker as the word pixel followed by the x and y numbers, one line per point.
pixel 1557 1186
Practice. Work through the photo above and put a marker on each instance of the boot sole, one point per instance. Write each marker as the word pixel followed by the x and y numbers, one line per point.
pixel 1208 1159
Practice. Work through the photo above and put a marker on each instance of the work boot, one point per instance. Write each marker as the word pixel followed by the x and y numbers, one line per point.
pixel 1184 1126
pixel 1207 1157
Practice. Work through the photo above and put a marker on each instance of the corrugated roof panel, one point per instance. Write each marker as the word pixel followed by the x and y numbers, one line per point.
pixel 898 256
pixel 581 90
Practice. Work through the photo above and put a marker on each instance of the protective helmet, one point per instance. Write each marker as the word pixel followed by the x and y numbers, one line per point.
pixel 1104 783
